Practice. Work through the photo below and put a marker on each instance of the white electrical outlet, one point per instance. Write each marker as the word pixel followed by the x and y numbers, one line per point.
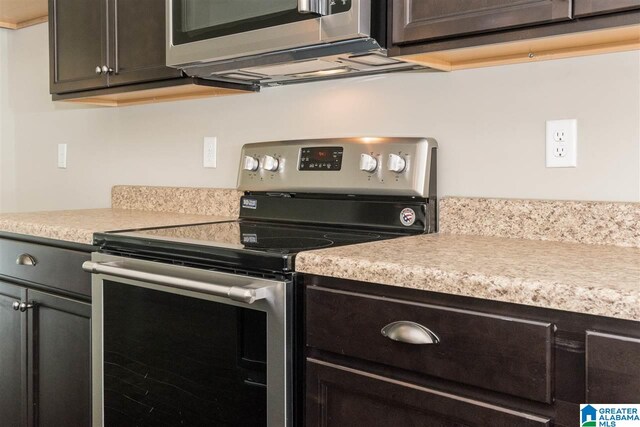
pixel 562 143
pixel 62 156
pixel 210 152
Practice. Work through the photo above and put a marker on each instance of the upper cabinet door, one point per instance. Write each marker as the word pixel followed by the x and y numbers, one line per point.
pixel 595 7
pixel 416 20
pixel 137 43
pixel 77 38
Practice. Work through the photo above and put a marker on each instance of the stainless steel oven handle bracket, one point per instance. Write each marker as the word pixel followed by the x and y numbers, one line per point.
pixel 246 294
pixel 320 7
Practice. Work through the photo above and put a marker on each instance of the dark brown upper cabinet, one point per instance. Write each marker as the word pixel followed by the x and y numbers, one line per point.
pixel 78 44
pixel 596 7
pixel 418 20
pixel 137 42
pixel 100 43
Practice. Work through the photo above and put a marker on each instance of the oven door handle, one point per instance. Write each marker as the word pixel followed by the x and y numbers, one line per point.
pixel 247 294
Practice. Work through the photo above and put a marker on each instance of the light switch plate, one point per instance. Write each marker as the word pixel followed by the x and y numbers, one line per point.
pixel 209 157
pixel 62 156
pixel 562 143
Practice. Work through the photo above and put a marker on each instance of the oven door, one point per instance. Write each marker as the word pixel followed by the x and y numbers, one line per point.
pixel 208 31
pixel 177 346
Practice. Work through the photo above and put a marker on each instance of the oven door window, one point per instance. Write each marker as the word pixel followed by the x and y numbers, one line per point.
pixel 171 360
pixel 195 20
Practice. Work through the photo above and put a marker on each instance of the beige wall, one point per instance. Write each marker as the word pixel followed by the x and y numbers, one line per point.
pixel 490 124
pixel 6 126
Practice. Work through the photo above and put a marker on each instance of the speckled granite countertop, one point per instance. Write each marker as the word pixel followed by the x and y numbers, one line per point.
pixel 196 201
pixel 592 279
pixel 133 207
pixel 78 226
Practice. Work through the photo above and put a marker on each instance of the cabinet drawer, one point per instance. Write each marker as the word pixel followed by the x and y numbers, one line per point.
pixel 503 354
pixel 613 368
pixel 54 267
pixel 340 396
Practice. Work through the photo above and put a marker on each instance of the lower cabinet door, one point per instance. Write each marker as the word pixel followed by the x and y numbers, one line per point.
pixel 12 367
pixel 613 368
pixel 60 359
pixel 339 396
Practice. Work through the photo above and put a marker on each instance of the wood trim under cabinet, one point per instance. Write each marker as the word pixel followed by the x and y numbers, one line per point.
pixel 19 14
pixel 156 95
pixel 23 24
pixel 162 91
pixel 609 40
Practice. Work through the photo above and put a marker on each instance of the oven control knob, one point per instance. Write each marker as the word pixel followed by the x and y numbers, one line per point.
pixel 250 163
pixel 368 163
pixel 270 163
pixel 396 163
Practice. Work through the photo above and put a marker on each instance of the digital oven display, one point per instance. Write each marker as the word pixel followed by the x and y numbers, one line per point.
pixel 321 158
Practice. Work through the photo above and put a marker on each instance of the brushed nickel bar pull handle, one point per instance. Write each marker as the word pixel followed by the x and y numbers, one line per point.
pixel 410 333
pixel 26 259
pixel 235 293
pixel 116 47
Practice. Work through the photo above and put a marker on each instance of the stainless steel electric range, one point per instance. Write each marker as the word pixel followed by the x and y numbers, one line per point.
pixel 201 324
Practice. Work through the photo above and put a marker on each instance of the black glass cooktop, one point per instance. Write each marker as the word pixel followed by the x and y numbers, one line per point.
pixel 263 236
pixel 242 243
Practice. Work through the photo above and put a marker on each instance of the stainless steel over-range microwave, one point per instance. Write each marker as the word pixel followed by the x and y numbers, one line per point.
pixel 262 41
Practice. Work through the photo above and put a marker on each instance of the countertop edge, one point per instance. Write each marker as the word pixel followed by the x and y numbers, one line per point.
pixel 590 300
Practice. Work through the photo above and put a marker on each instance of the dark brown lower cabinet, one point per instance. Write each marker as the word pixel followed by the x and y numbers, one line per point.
pixel 12 358
pixel 60 359
pixel 457 361
pixel 473 347
pixel 45 359
pixel 613 368
pixel 338 396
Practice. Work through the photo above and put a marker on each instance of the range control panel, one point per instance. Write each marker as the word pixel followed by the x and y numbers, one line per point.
pixel 381 166
pixel 321 158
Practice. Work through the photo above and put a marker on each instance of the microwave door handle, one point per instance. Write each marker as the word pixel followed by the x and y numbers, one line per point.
pixel 247 294
pixel 318 7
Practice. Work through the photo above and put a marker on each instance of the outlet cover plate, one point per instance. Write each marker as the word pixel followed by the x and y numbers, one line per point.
pixel 562 143
pixel 209 155
pixel 62 156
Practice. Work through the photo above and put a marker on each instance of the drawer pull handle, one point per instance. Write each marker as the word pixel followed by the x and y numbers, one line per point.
pixel 26 259
pixel 410 333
